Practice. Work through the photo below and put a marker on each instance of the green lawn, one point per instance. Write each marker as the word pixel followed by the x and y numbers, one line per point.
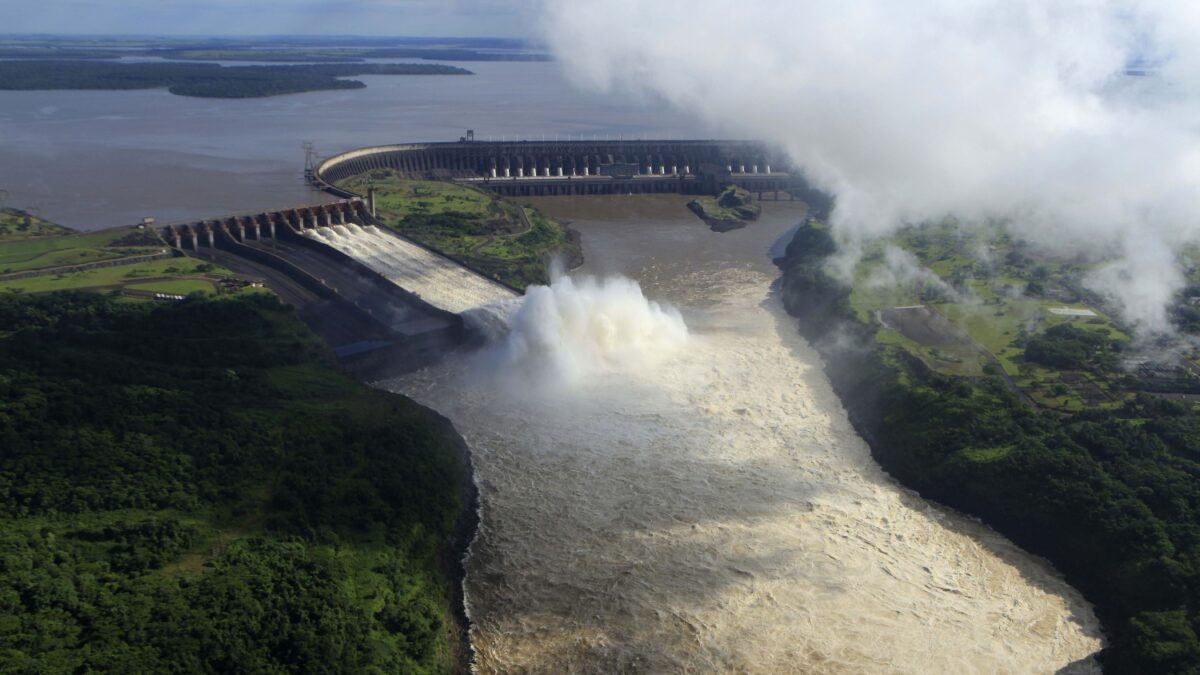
pixel 996 319
pixel 174 286
pixel 30 254
pixel 955 359
pixel 399 198
pixel 118 275
pixel 16 224
pixel 994 327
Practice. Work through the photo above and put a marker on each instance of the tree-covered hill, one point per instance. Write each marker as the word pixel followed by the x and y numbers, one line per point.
pixel 192 487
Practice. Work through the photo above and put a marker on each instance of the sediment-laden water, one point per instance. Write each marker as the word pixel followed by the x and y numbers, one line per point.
pixel 662 499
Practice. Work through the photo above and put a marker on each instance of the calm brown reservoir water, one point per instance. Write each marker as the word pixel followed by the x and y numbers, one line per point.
pixel 92 159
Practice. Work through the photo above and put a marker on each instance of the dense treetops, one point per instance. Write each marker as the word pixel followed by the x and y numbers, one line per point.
pixel 192 488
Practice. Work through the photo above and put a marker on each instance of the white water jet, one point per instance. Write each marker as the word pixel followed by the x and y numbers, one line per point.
pixel 571 329
pixel 439 281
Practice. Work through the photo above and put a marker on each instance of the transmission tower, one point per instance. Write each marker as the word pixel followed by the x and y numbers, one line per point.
pixel 310 157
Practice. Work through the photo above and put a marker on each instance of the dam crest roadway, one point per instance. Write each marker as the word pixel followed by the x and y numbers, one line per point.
pixel 548 168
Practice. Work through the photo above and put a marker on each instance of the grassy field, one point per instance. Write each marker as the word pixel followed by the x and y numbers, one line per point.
pixel 16 224
pixel 396 198
pixel 22 253
pixel 993 296
pixel 485 232
pixel 174 286
pixel 60 247
pixel 136 276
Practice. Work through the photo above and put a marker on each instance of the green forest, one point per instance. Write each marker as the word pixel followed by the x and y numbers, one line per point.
pixel 208 80
pixel 1110 496
pixel 192 487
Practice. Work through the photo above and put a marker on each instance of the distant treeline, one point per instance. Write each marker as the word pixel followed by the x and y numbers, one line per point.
pixel 202 79
pixel 1112 498
pixel 283 53
pixel 193 488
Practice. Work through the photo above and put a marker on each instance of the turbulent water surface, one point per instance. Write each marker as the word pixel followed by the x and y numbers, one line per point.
pixel 436 279
pixel 656 498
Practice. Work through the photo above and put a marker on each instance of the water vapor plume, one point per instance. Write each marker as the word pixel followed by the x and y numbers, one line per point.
pixel 576 328
pixel 1020 110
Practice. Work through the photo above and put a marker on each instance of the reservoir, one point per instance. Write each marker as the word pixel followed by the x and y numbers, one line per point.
pixel 93 159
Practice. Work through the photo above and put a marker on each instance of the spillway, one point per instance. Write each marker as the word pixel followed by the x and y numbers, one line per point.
pixel 439 281
pixel 699 502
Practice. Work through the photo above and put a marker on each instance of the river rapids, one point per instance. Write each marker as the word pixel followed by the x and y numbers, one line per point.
pixel 671 485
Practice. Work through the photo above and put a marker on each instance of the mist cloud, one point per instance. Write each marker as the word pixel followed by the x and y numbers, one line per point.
pixel 910 111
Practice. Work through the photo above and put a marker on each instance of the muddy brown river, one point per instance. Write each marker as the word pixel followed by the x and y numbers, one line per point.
pixel 668 484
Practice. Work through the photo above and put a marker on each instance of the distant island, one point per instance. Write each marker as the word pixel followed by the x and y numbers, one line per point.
pixel 729 210
pixel 208 80
pixel 293 49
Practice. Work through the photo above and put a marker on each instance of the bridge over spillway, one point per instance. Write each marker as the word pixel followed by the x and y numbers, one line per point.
pixel 532 168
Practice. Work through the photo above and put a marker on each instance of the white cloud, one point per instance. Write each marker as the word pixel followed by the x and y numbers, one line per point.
pixel 914 110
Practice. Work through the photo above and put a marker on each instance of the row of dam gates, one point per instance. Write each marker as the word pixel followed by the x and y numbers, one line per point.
pixel 266 225
pixel 535 168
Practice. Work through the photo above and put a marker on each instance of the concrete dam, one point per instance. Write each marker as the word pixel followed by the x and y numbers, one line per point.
pixel 541 168
pixel 367 290
pixel 380 301
pixel 346 228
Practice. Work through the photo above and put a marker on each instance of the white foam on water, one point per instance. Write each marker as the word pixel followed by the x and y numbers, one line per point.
pixel 573 329
pixel 437 280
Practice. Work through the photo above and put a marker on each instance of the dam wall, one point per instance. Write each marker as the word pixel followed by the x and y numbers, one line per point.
pixel 536 168
pixel 247 227
pixel 275 244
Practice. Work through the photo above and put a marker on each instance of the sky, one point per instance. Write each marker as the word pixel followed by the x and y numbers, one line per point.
pixel 457 18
